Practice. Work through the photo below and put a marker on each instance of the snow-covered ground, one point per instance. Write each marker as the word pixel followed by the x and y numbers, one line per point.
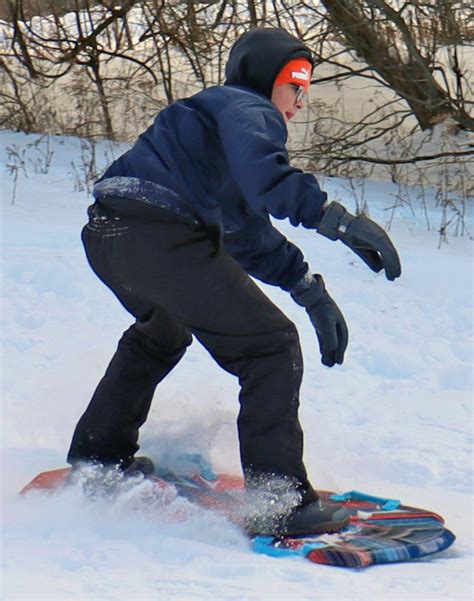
pixel 394 420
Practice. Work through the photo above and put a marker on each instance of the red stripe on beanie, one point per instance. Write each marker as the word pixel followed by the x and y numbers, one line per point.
pixel 297 71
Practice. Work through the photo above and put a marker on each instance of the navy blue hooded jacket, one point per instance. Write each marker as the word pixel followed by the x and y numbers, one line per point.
pixel 220 158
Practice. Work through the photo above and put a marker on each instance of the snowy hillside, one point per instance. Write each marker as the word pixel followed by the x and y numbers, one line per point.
pixel 394 420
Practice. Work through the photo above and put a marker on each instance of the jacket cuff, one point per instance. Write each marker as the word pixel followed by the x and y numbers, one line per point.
pixel 309 290
pixel 304 283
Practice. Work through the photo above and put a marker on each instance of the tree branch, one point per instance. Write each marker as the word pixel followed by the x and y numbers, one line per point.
pixel 416 159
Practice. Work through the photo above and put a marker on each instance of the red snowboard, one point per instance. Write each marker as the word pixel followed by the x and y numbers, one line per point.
pixel 380 530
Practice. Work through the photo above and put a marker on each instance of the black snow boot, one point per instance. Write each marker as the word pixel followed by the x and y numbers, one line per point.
pixel 277 514
pixel 97 479
pixel 315 518
pixel 139 465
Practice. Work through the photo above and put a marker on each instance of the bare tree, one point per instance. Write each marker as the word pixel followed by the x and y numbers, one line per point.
pixel 104 68
pixel 400 43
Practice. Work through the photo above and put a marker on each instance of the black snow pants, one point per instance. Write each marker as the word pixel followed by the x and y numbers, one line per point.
pixel 178 281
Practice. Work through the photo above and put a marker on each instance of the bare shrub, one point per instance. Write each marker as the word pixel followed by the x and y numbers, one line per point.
pixel 390 77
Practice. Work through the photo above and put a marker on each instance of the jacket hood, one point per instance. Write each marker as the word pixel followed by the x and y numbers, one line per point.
pixel 257 57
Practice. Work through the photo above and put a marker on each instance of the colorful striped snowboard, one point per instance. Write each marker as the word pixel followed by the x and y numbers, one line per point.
pixel 380 530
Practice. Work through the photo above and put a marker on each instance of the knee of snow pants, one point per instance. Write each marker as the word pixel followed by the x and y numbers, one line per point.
pixel 146 353
pixel 269 366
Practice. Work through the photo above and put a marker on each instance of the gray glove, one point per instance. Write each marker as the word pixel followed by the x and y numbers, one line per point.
pixel 363 236
pixel 326 317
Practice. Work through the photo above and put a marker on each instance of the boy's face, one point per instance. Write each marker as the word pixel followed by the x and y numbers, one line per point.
pixel 289 98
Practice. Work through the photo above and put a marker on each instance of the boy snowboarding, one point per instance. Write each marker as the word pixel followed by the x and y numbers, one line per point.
pixel 178 224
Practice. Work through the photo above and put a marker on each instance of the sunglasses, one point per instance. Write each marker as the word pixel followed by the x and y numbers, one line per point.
pixel 301 95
